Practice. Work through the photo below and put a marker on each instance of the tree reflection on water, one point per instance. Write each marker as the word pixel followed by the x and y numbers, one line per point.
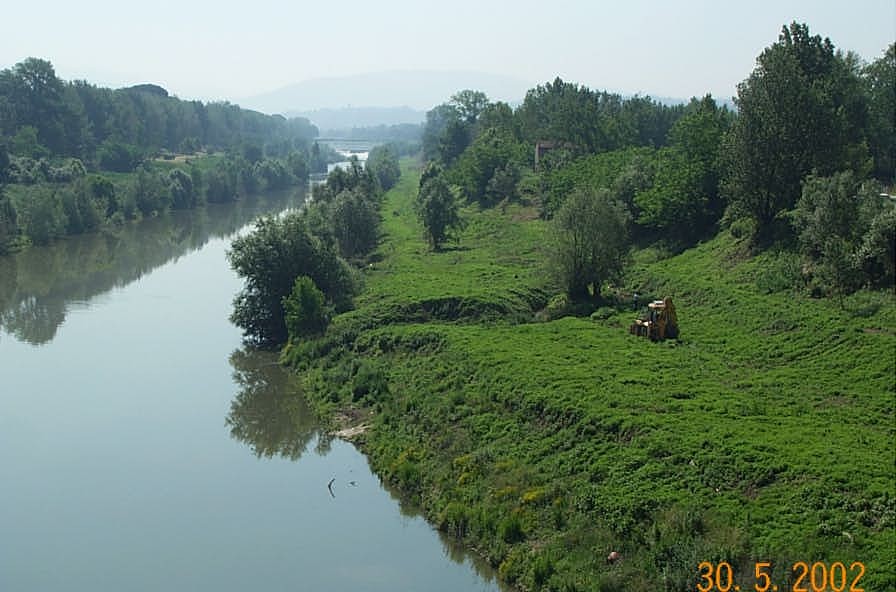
pixel 269 414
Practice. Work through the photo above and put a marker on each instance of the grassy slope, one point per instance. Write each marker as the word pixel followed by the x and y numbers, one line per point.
pixel 766 432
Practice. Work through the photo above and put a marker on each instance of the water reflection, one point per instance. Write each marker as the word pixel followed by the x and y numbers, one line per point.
pixel 39 286
pixel 268 414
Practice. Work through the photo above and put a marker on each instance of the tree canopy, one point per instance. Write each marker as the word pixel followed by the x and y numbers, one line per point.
pixel 801 110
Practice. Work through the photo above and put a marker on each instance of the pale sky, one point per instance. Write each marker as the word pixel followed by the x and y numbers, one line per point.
pixel 221 49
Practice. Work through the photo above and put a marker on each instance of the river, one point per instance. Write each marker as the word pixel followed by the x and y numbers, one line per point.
pixel 143 448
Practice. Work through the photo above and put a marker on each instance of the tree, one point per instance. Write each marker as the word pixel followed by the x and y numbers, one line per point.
pixel 41 217
pixel 437 120
pixel 305 310
pixel 676 204
pixel 801 110
pixel 4 162
pixel 8 219
pixel 355 222
pixel 83 213
pixel 437 208
pixel 383 163
pixel 180 186
pixel 150 192
pixel 119 157
pixel 269 259
pixel 830 220
pixel 297 165
pixel 590 239
pixel 877 253
pixel 469 104
pixel 491 153
pixel 880 81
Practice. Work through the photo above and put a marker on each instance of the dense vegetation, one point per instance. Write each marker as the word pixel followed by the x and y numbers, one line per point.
pixel 75 156
pixel 504 393
pixel 296 267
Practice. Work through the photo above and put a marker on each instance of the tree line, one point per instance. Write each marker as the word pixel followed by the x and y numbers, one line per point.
pixel 60 140
pixel 83 121
pixel 301 268
pixel 802 164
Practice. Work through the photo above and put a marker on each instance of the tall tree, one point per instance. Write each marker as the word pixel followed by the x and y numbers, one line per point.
pixel 801 110
pixel 590 242
pixel 438 209
pixel 880 79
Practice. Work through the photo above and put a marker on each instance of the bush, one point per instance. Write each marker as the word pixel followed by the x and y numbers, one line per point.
pixel 305 312
pixel 783 272
pixel 454 520
pixel 183 193
pixel 369 382
pixel 510 530
pixel 877 253
pixel 41 216
pixel 119 157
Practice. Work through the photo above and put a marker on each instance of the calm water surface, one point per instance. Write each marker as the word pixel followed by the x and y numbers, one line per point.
pixel 141 448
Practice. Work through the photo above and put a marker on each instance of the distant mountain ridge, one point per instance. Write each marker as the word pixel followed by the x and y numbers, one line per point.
pixel 351 117
pixel 395 97
pixel 419 90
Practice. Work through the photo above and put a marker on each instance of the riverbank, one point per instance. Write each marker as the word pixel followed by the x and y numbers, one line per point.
pixel 546 442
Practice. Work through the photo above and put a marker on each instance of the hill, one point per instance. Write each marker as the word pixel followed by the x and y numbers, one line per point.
pixel 416 89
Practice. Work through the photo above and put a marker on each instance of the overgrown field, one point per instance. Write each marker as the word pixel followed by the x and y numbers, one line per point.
pixel 766 433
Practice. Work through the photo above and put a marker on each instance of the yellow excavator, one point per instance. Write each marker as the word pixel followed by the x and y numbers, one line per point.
pixel 661 322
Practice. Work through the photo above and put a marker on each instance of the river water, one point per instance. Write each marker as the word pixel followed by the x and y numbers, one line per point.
pixel 142 448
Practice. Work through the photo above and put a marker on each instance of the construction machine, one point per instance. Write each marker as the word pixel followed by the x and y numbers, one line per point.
pixel 660 323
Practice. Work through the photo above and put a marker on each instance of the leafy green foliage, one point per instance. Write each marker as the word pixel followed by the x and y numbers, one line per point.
pixel 41 216
pixel 269 259
pixel 598 172
pixel 438 210
pixel 590 242
pixel 84 212
pixel 801 110
pixel 488 170
pixel 877 253
pixel 834 221
pixel 545 445
pixel 119 157
pixel 46 116
pixel 880 82
pixel 591 121
pixel 305 311
pixel 355 221
pixel 150 192
pixel 383 162
pixel 180 186
pixel 8 226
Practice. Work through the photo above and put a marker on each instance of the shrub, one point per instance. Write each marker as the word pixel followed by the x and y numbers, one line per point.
pixel 510 530
pixel 783 272
pixel 304 310
pixel 369 382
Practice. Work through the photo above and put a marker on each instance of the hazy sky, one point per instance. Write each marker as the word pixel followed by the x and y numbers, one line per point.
pixel 229 50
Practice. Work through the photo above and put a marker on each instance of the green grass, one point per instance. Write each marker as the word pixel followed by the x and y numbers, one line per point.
pixel 765 433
